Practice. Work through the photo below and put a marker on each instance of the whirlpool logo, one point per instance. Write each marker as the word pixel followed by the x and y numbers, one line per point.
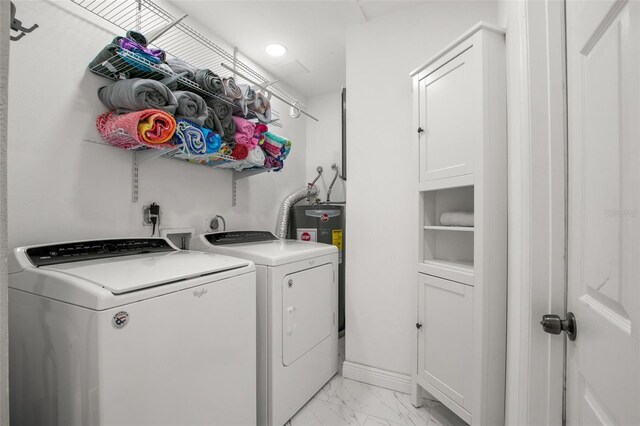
pixel 199 293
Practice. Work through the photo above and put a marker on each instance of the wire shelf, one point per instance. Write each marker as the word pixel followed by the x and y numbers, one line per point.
pixel 181 41
pixel 126 64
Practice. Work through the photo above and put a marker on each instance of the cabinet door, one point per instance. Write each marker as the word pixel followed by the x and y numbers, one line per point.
pixel 448 115
pixel 445 344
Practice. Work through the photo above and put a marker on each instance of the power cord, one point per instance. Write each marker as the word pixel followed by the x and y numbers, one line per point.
pixel 154 214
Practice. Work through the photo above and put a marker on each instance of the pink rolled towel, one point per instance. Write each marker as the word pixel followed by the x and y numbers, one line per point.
pixel 244 126
pixel 248 141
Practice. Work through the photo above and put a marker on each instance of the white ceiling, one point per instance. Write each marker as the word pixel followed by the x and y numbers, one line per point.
pixel 314 33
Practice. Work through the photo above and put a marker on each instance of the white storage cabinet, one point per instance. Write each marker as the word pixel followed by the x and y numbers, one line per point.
pixel 460 117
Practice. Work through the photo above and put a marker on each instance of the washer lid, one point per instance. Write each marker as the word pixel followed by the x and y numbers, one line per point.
pixel 126 274
pixel 275 253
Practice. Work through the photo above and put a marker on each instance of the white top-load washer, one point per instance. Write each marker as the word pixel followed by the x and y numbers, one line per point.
pixel 297 294
pixel 131 332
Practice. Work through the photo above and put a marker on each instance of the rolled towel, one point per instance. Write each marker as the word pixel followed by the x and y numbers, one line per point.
pixel 260 130
pixel 261 107
pixel 231 89
pixel 245 140
pixel 213 140
pixel 155 126
pixel 137 94
pixel 244 126
pixel 229 132
pixel 190 137
pixel 276 146
pixel 212 122
pixel 150 128
pixel 273 163
pixel 240 152
pixel 456 218
pixel 209 81
pixel 154 55
pixel 191 107
pixel 256 157
pixel 179 66
pixel 223 111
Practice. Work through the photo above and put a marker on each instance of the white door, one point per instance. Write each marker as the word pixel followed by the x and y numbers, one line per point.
pixel 603 77
pixel 307 317
pixel 445 310
pixel 448 114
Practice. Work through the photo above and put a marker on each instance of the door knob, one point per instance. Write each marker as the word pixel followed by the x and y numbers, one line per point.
pixel 552 324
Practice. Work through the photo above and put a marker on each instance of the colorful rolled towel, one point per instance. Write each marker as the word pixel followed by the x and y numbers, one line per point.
pixel 154 55
pixel 137 94
pixel 273 163
pixel 191 107
pixel 276 146
pixel 212 122
pixel 261 107
pixel 190 137
pixel 179 66
pixel 245 140
pixel 213 140
pixel 260 130
pixel 231 89
pixel 244 126
pixel 209 81
pixel 240 152
pixel 151 128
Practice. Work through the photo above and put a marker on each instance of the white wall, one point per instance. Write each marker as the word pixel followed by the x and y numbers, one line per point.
pixel 324 143
pixel 63 188
pixel 382 199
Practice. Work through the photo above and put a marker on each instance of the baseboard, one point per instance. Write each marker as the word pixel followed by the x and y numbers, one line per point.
pixel 377 377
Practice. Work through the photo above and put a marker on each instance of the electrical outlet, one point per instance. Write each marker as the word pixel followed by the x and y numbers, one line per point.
pixel 146 219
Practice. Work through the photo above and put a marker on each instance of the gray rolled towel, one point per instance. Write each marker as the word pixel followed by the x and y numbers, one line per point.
pixel 213 123
pixel 261 107
pixel 209 81
pixel 179 66
pixel 229 132
pixel 191 107
pixel 222 109
pixel 231 89
pixel 137 94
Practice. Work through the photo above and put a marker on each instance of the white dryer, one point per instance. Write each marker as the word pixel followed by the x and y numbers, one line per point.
pixel 130 332
pixel 297 295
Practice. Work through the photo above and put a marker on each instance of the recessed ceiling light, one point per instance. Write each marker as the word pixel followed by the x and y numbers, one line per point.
pixel 276 49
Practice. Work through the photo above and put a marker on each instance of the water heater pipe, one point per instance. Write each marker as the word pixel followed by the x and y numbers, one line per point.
pixel 287 205
pixel 334 166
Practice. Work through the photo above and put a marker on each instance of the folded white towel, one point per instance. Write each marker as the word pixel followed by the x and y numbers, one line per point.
pixel 456 219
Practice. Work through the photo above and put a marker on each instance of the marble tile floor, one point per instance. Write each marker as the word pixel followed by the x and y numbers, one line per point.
pixel 344 402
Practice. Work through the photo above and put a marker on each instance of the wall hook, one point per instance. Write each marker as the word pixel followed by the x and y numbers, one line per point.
pixel 16 25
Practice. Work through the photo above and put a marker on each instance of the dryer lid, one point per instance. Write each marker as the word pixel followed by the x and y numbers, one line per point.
pixel 131 273
pixel 275 253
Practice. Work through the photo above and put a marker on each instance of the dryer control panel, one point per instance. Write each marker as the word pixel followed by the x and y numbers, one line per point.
pixel 239 237
pixel 95 249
